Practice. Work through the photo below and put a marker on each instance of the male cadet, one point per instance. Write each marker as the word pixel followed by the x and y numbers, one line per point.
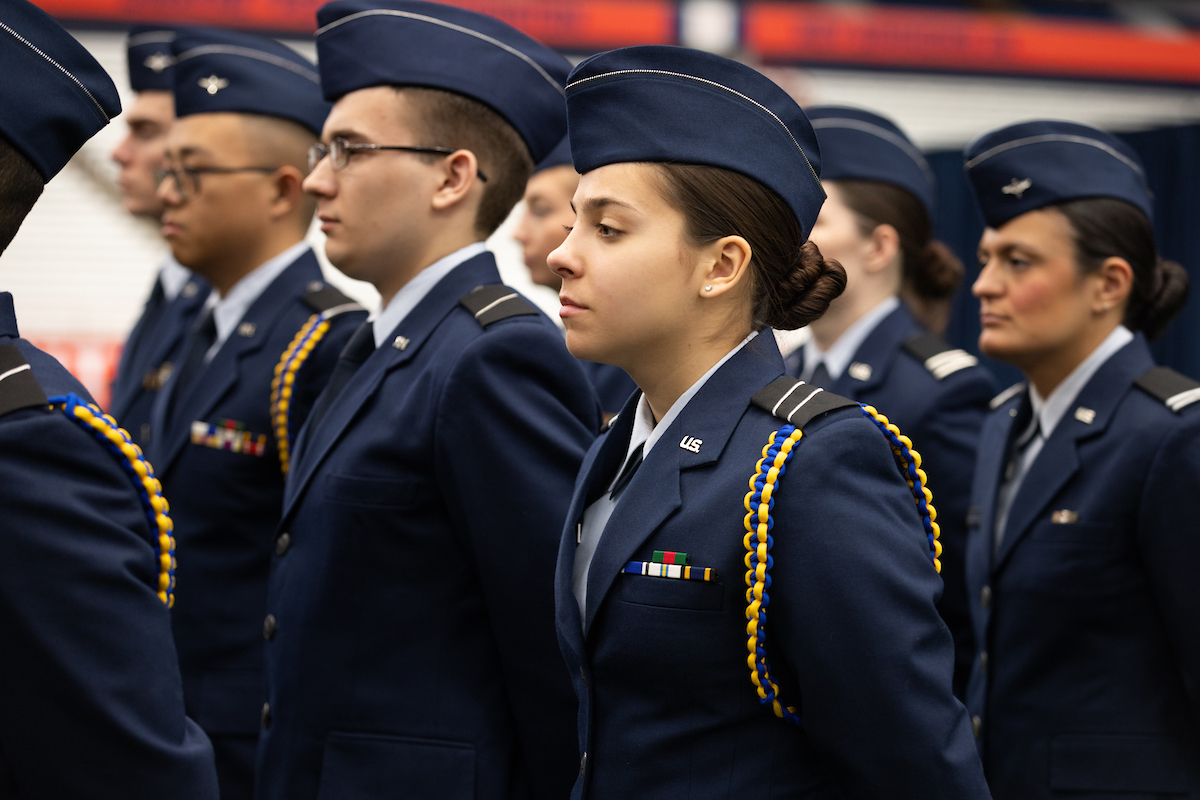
pixel 412 648
pixel 90 699
pixel 248 108
pixel 178 294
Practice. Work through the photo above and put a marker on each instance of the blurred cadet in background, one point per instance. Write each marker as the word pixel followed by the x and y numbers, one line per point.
pixel 178 294
pixel 543 227
pixel 91 704
pixel 1084 547
pixel 876 222
pixel 411 596
pixel 248 110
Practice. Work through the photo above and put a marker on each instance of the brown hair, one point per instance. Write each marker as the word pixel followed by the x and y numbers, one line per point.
pixel 446 119
pixel 20 187
pixel 1105 227
pixel 791 283
pixel 931 270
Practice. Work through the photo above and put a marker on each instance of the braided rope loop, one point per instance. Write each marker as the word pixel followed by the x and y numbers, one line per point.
pixel 293 358
pixel 114 438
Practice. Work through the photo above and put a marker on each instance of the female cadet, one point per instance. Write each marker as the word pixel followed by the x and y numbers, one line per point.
pixel 541 229
pixel 699 184
pixel 875 222
pixel 1083 550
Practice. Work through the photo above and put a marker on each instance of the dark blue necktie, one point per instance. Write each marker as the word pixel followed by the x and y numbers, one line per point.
pixel 202 339
pixel 356 351
pixel 820 377
pixel 631 466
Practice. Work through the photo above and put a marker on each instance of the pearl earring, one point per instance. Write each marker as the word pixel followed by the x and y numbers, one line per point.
pixel 708 288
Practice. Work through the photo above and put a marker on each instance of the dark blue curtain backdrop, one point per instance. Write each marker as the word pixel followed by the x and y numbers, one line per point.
pixel 1172 159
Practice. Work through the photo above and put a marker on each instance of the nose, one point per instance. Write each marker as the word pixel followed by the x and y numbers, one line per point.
pixel 168 191
pixel 121 154
pixel 320 181
pixel 563 260
pixel 988 283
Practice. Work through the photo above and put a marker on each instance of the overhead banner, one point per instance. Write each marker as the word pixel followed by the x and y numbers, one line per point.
pixel 937 39
pixel 578 24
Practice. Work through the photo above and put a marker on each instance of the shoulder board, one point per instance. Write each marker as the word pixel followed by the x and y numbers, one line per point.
pixel 938 357
pixel 490 304
pixel 798 402
pixel 18 388
pixel 323 298
pixel 609 422
pixel 1176 391
pixel 1006 395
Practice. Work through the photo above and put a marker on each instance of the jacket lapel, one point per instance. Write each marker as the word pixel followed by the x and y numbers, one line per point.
pixel 879 352
pixel 1058 461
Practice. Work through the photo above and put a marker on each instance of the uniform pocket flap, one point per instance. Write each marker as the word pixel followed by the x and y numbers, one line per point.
pixel 669 592
pixel 1116 763
pixel 365 766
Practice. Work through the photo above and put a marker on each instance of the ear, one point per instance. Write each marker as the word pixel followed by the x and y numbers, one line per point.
pixel 725 265
pixel 883 248
pixel 1113 282
pixel 289 191
pixel 460 172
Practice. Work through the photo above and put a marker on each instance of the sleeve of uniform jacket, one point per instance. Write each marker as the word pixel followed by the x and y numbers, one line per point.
pixel 513 424
pixel 852 613
pixel 90 698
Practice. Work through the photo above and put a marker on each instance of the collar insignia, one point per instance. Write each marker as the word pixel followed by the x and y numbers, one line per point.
pixel 860 371
pixel 1085 415
pixel 247 329
pixel 212 84
pixel 1064 516
pixel 190 289
pixel 401 342
pixel 158 62
pixel 691 444
pixel 1017 187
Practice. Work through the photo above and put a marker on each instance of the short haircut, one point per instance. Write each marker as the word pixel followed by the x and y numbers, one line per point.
pixel 277 142
pixel 20 187
pixel 446 119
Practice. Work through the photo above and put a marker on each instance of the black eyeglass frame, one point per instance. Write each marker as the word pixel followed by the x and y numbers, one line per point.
pixel 320 150
pixel 193 175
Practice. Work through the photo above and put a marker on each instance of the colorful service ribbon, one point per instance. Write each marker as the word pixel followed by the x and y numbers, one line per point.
pixel 229 435
pixel 670 564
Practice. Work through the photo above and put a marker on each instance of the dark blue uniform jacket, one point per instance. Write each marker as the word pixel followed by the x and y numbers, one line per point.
pixel 943 418
pixel 90 697
pixel 413 582
pixel 1089 615
pixel 667 708
pixel 150 354
pixel 226 503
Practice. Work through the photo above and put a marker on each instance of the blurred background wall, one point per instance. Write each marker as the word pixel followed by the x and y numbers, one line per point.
pixel 946 72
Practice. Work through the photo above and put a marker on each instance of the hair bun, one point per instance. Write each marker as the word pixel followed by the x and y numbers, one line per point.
pixel 806 291
pixel 1171 292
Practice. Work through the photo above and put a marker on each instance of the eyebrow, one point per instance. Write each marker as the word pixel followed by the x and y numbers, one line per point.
pixel 192 150
pixel 348 135
pixel 596 204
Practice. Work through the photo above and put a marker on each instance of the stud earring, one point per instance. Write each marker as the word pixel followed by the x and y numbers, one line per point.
pixel 708 288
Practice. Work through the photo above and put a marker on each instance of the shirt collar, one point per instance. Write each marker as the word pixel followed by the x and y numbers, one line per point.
pixel 173 276
pixel 838 357
pixel 644 429
pixel 229 310
pixel 412 293
pixel 1049 411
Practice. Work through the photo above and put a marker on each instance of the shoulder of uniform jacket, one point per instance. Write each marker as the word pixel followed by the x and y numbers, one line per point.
pixel 1175 390
pixel 18 387
pixel 796 402
pixel 1006 395
pixel 938 357
pixel 494 302
pixel 328 300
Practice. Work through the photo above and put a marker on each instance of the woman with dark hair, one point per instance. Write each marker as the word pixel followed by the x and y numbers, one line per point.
pixel 870 346
pixel 1084 550
pixel 699 186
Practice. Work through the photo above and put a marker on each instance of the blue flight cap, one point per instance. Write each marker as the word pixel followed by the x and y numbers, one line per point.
pixel 672 104
pixel 1034 164
pixel 363 43
pixel 218 70
pixel 55 96
pixel 150 58
pixel 560 156
pixel 861 146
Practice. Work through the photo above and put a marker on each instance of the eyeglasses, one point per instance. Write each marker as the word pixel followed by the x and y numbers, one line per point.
pixel 340 150
pixel 187 179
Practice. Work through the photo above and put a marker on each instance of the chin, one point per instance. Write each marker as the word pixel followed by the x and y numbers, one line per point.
pixel 1000 347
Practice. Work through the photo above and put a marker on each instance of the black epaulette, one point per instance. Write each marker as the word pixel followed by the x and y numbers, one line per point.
pixel 323 298
pixel 1176 391
pixel 1006 395
pixel 490 304
pixel 798 402
pixel 18 388
pixel 938 357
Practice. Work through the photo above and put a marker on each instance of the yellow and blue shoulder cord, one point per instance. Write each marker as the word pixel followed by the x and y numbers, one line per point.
pixel 105 429
pixel 759 502
pixel 301 347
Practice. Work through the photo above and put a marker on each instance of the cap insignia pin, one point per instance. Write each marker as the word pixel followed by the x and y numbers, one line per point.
pixel 157 62
pixel 212 84
pixel 1017 187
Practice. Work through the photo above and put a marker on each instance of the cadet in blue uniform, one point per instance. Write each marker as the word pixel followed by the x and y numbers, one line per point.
pixel 178 294
pixel 1084 550
pixel 689 684
pixel 249 108
pixel 411 596
pixel 542 228
pixel 91 704
pixel 870 348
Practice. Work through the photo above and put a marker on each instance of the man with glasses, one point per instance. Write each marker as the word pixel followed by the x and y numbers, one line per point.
pixel 178 293
pixel 266 342
pixel 411 595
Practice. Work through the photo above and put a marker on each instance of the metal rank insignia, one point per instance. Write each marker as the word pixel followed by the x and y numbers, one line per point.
pixel 229 435
pixel 670 564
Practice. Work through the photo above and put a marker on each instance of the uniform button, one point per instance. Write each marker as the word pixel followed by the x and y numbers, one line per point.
pixel 266 715
pixel 983 661
pixel 283 543
pixel 269 627
pixel 583 765
pixel 976 726
pixel 985 597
